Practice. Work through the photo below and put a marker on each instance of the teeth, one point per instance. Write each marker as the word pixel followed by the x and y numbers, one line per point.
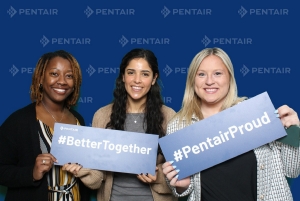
pixel 60 90
pixel 210 90
pixel 136 87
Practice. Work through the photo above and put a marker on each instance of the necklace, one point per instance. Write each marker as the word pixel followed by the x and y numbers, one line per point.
pixel 135 119
pixel 52 114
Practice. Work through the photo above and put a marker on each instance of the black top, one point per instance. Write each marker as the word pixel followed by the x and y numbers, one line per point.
pixel 232 180
pixel 19 147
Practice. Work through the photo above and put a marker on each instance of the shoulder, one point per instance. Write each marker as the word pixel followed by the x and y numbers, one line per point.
pixel 28 110
pixel 168 114
pixel 176 124
pixel 167 111
pixel 78 116
pixel 21 117
pixel 174 121
pixel 106 110
pixel 102 116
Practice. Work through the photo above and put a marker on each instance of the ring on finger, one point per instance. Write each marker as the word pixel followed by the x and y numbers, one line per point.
pixel 43 162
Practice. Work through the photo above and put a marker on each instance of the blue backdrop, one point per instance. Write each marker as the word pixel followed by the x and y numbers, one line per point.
pixel 261 37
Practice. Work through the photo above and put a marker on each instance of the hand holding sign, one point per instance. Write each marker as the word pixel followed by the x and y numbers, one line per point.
pixel 172 175
pixel 229 133
pixel 288 116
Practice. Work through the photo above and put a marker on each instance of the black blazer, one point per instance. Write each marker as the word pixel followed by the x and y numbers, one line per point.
pixel 19 147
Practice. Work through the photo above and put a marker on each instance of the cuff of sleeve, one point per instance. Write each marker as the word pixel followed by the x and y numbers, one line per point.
pixel 185 193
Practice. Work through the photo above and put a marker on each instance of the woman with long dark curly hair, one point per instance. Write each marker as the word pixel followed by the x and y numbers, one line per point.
pixel 138 107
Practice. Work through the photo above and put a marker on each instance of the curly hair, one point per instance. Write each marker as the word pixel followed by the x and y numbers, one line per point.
pixel 36 93
pixel 153 115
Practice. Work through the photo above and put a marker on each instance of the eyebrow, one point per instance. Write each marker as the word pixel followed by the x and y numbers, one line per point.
pixel 213 70
pixel 135 70
pixel 54 68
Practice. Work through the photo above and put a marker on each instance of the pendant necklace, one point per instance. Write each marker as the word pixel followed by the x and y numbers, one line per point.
pixel 135 119
pixel 51 114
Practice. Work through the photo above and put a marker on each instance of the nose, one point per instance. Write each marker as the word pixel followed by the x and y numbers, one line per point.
pixel 61 80
pixel 137 78
pixel 209 80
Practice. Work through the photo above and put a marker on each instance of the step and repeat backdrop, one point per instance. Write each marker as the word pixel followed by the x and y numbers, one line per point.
pixel 261 37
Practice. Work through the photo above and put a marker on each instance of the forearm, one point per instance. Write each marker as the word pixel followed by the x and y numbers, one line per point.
pixel 290 157
pixel 180 191
pixel 17 177
pixel 91 178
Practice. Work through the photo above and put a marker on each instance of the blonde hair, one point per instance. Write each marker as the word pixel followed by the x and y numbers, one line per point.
pixel 191 104
pixel 36 93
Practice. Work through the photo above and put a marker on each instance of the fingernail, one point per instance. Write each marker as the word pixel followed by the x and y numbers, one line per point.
pixel 277 115
pixel 76 163
pixel 69 163
pixel 178 170
pixel 176 176
pixel 141 174
pixel 146 174
pixel 174 166
pixel 171 162
pixel 276 111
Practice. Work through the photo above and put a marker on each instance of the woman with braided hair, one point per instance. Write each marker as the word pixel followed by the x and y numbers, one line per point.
pixel 27 168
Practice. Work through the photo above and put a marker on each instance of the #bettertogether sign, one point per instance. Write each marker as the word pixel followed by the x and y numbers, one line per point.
pixel 105 149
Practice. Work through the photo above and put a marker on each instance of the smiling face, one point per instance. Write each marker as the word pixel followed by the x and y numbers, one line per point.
pixel 212 81
pixel 58 80
pixel 138 78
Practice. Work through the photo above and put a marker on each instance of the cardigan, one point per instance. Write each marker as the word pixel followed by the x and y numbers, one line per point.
pixel 275 162
pixel 19 147
pixel 103 180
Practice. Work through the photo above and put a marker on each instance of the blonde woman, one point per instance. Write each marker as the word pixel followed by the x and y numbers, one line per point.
pixel 256 175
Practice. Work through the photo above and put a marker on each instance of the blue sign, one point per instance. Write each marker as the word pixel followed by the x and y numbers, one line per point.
pixel 232 132
pixel 105 149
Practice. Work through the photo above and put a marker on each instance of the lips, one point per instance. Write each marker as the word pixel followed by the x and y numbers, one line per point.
pixel 136 88
pixel 60 91
pixel 211 90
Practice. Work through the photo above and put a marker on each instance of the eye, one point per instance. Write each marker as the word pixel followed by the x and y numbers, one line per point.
pixel 146 74
pixel 69 76
pixel 218 73
pixel 54 74
pixel 201 74
pixel 129 72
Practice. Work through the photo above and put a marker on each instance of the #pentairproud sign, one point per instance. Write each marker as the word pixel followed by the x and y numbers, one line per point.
pixel 105 149
pixel 234 131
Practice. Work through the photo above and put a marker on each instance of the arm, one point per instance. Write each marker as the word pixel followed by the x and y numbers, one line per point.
pixel 180 188
pixel 91 178
pixel 15 170
pixel 290 156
